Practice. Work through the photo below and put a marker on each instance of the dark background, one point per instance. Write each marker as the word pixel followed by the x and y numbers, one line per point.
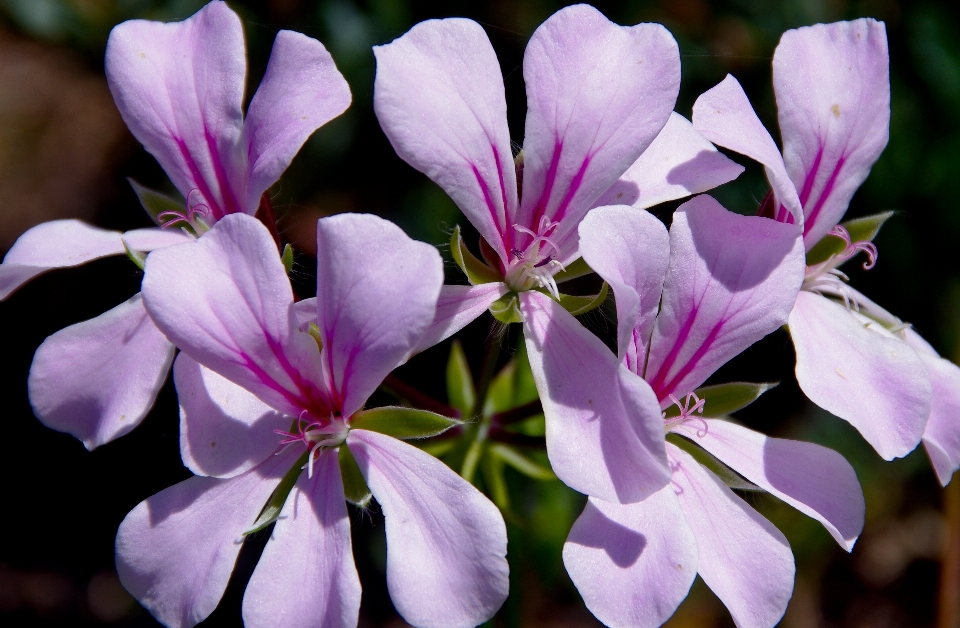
pixel 64 152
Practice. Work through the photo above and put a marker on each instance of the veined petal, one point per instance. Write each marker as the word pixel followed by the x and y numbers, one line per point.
pixel 176 549
pixel 832 83
pixel 55 244
pixel 743 558
pixel 457 307
pixel 732 280
pixel 179 87
pixel 724 116
pixel 630 249
pixel 301 91
pixel 858 371
pixel 306 576
pixel 224 429
pixel 376 296
pixel 633 564
pixel 604 428
pixel 680 162
pixel 225 301
pixel 597 96
pixel 96 380
pixel 446 542
pixel 815 480
pixel 439 97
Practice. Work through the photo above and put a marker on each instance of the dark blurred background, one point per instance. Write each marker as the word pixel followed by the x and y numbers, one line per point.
pixel 64 152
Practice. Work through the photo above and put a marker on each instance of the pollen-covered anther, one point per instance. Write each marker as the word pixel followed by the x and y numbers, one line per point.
pixel 535 266
pixel 691 412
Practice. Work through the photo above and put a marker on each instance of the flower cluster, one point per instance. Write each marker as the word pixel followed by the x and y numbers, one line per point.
pixel 276 419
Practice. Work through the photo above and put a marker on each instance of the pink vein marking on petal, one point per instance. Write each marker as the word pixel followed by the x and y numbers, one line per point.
pixel 658 382
pixel 808 183
pixel 487 197
pixel 692 362
pixel 232 206
pixel 548 184
pixel 506 234
pixel 198 179
pixel 574 186
pixel 827 189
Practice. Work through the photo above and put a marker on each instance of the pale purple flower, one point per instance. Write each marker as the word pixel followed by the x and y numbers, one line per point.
pixel 687 303
pixel 854 359
pixel 598 95
pixel 179 88
pixel 226 302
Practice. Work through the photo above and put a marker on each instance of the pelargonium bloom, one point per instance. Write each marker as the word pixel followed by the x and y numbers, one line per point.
pixel 598 95
pixel 687 302
pixel 180 90
pixel 853 358
pixel 250 367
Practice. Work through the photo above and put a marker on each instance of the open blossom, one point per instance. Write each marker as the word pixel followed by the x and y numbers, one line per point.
pixel 264 392
pixel 598 95
pixel 853 358
pixel 180 90
pixel 686 304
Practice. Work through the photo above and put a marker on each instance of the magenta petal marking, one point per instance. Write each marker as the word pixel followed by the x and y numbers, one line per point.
pixel 811 216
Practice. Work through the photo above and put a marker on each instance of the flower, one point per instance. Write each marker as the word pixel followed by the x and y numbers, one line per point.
pixel 179 88
pixel 598 95
pixel 854 359
pixel 226 302
pixel 686 304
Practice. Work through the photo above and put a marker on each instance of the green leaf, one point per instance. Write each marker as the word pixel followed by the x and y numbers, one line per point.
pixel 492 468
pixel 476 271
pixel 500 394
pixel 521 463
pixel 156 202
pixel 469 467
pixel 403 423
pixel 576 268
pixel 861 230
pixel 506 309
pixel 137 257
pixel 727 475
pixel 287 258
pixel 355 488
pixel 724 399
pixel 274 505
pixel 460 389
pixel 582 305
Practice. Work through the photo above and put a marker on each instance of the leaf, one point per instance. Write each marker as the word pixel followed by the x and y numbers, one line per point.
pixel 727 475
pixel 576 268
pixel 137 257
pixel 274 505
pixel 724 399
pixel 403 423
pixel 355 488
pixel 472 458
pixel 460 389
pixel 500 394
pixel 287 258
pixel 860 229
pixel 476 271
pixel 156 202
pixel 496 484
pixel 506 309
pixel 582 305
pixel 521 463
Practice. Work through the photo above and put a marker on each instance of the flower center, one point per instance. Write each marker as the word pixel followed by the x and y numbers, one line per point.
pixel 691 412
pixel 825 279
pixel 534 266
pixel 196 216
pixel 315 435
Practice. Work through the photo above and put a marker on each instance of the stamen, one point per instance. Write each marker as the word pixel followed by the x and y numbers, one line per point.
pixel 852 248
pixel 194 216
pixel 536 265
pixel 687 413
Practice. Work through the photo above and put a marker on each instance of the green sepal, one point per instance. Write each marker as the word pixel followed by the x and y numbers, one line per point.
pixel 724 399
pixel 314 332
pixel 355 487
pixel 137 257
pixel 461 392
pixel 576 268
pixel 271 511
pixel 521 463
pixel 492 468
pixel 476 271
pixel 155 203
pixel 402 423
pixel 287 258
pixel 860 229
pixel 582 305
pixel 727 475
pixel 506 309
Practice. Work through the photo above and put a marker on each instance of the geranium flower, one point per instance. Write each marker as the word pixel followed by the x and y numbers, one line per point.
pixel 854 359
pixel 179 88
pixel 226 302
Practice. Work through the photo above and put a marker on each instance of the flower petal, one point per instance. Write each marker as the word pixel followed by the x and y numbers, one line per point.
pixel 815 480
pixel 446 542
pixel 225 300
pixel 832 83
pixel 732 280
pixel 604 428
pixel 176 549
pixel 597 96
pixel 306 575
pixel 145 240
pixel 301 91
pixel 680 162
pixel 942 434
pixel 376 295
pixel 743 558
pixel 724 116
pixel 629 249
pixel 179 87
pixel 457 307
pixel 96 380
pixel 860 373
pixel 224 429
pixel 439 97
pixel 55 244
pixel 633 564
